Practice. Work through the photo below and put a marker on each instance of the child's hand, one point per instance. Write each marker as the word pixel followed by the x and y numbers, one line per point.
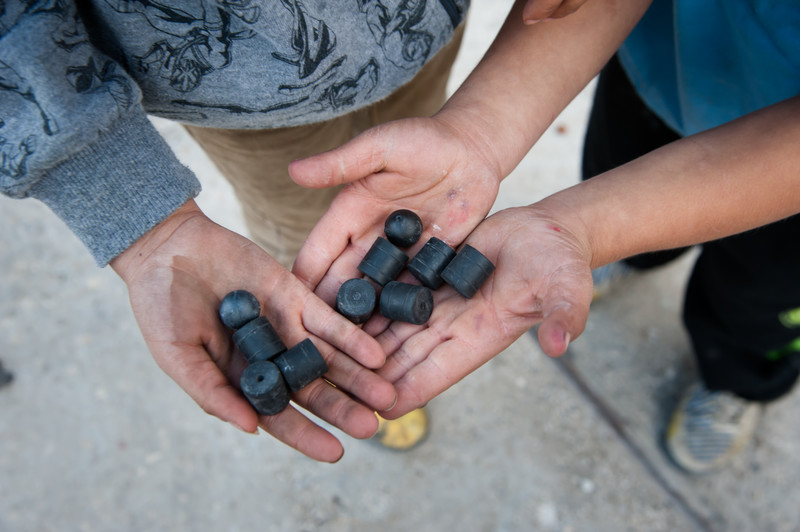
pixel 542 276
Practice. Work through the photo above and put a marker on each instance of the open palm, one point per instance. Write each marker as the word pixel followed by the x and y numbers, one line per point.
pixel 175 293
pixel 420 164
pixel 542 276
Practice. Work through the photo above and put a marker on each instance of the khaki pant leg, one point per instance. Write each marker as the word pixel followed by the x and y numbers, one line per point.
pixel 280 214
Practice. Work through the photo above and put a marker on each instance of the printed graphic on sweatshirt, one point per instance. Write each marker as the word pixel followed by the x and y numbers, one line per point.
pixel 68 33
pixel 18 95
pixel 13 157
pixel 65 36
pixel 14 153
pixel 311 50
pixel 11 81
pixel 395 31
pixel 296 51
pixel 88 79
pixel 193 45
pixel 311 40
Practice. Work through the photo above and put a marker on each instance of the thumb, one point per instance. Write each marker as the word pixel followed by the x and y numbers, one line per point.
pixel 566 308
pixel 559 327
pixel 354 160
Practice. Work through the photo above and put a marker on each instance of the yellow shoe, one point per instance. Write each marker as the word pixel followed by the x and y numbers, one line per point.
pixel 403 433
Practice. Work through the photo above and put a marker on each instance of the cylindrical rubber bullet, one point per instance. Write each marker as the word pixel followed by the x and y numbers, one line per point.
pixel 403 228
pixel 468 271
pixel 265 388
pixel 356 300
pixel 239 307
pixel 300 365
pixel 410 303
pixel 383 262
pixel 428 264
pixel 258 340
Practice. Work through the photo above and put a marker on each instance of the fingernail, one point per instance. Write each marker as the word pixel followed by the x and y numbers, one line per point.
pixel 566 340
pixel 531 21
pixel 254 433
pixel 393 404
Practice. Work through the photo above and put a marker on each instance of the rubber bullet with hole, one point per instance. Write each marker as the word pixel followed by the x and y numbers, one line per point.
pixel 301 365
pixel 258 340
pixel 265 388
pixel 468 271
pixel 405 302
pixel 383 262
pixel 427 265
pixel 356 300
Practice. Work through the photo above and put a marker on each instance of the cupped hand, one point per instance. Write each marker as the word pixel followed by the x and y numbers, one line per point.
pixel 421 164
pixel 177 275
pixel 542 276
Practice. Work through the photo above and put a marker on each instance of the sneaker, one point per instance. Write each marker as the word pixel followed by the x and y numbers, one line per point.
pixel 709 428
pixel 606 278
pixel 403 433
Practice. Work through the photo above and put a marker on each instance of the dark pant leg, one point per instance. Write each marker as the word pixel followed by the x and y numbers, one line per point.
pixel 738 290
pixel 622 128
pixel 740 285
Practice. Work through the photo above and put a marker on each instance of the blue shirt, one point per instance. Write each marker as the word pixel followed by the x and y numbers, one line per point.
pixel 701 63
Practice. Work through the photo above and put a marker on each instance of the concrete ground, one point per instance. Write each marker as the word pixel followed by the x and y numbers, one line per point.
pixel 93 436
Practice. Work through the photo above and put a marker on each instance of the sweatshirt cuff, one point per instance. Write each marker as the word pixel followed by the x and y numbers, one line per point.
pixel 118 188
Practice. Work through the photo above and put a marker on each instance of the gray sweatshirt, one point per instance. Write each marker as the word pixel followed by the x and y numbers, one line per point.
pixel 78 78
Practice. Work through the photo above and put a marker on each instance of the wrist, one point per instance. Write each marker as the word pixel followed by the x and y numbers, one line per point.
pixel 474 132
pixel 560 214
pixel 127 263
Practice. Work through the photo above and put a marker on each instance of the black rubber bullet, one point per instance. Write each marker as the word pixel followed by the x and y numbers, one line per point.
pixel 356 300
pixel 300 365
pixel 410 303
pixel 265 388
pixel 403 228
pixel 468 271
pixel 258 340
pixel 383 262
pixel 428 264
pixel 239 307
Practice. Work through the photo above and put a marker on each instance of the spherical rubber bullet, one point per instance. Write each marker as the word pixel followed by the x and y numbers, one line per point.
pixel 265 388
pixel 258 340
pixel 300 365
pixel 356 300
pixel 383 262
pixel 410 303
pixel 403 228
pixel 468 271
pixel 238 307
pixel 427 265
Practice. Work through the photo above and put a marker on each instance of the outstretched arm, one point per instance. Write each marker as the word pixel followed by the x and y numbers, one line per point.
pixel 447 168
pixel 724 181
